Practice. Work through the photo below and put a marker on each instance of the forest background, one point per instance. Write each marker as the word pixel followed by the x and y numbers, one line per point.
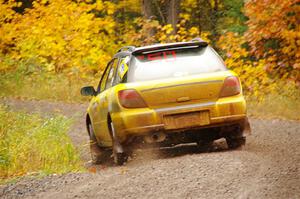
pixel 51 48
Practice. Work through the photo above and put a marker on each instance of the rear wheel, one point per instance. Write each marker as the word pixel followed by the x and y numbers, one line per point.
pixel 98 154
pixel 235 143
pixel 204 146
pixel 120 158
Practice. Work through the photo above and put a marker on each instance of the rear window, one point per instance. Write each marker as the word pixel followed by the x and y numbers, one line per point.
pixel 174 63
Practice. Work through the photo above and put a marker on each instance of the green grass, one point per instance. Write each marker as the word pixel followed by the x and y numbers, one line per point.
pixel 44 86
pixel 282 102
pixel 31 144
pixel 274 106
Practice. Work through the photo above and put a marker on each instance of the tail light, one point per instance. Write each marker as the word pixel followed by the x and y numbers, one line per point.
pixel 230 87
pixel 131 99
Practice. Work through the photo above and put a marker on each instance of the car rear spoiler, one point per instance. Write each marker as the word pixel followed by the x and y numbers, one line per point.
pixel 171 46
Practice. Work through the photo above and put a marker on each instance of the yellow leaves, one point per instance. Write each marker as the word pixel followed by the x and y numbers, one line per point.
pixel 163 37
pixel 6 11
pixel 18 4
pixel 194 31
pixel 232 44
pixel 185 16
pixel 110 7
pixel 273 35
pixel 50 66
pixel 168 29
pixel 61 34
pixel 254 75
pixel 129 5
pixel 188 5
pixel 205 36
pixel 99 5
pixel 165 33
pixel 44 2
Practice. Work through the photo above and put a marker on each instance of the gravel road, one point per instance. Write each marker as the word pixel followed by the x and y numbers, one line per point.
pixel 268 166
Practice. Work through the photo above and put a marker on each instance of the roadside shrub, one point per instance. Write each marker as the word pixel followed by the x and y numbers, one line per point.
pixel 30 144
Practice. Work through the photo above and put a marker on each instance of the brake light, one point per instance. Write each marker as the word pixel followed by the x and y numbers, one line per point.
pixel 131 99
pixel 230 87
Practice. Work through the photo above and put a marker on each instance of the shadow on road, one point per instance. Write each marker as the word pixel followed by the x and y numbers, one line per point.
pixel 144 155
pixel 186 149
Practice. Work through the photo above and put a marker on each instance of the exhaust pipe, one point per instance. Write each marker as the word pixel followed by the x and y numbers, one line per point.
pixel 155 137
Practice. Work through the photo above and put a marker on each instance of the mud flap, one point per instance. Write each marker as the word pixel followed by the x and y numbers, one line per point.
pixel 117 147
pixel 246 127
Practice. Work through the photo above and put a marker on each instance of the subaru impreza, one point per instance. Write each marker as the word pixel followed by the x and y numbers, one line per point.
pixel 164 95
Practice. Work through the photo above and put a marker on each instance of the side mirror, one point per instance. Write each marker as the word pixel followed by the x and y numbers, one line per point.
pixel 88 91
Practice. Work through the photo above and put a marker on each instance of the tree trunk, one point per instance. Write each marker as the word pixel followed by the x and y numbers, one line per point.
pixel 148 12
pixel 215 18
pixel 147 9
pixel 167 11
pixel 173 8
pixel 198 14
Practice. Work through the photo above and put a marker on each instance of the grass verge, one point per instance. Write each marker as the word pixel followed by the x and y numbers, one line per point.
pixel 31 144
pixel 274 106
pixel 283 102
pixel 39 86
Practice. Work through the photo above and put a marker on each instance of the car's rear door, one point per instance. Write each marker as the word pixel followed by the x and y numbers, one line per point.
pixel 103 107
pixel 99 108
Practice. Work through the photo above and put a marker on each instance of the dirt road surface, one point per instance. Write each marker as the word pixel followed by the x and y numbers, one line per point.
pixel 268 166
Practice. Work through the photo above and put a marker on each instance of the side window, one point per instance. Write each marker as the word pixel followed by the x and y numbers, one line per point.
pixel 122 69
pixel 102 83
pixel 111 74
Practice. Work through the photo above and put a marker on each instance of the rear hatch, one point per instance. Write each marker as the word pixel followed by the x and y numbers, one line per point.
pixel 178 73
pixel 180 91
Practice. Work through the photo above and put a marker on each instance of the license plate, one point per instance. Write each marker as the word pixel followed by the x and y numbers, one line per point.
pixel 185 120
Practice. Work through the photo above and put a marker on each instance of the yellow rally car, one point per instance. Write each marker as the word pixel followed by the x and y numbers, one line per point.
pixel 164 94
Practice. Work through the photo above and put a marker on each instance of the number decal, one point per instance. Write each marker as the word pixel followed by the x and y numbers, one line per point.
pixel 123 67
pixel 166 55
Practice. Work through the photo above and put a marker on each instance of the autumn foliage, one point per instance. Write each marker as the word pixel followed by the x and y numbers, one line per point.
pixel 58 35
pixel 274 35
pixel 259 40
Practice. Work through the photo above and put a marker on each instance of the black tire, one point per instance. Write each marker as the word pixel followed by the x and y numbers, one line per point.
pixel 120 158
pixel 98 154
pixel 235 143
pixel 204 146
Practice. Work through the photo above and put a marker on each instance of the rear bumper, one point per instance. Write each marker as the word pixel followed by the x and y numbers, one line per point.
pixel 224 112
pixel 241 120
